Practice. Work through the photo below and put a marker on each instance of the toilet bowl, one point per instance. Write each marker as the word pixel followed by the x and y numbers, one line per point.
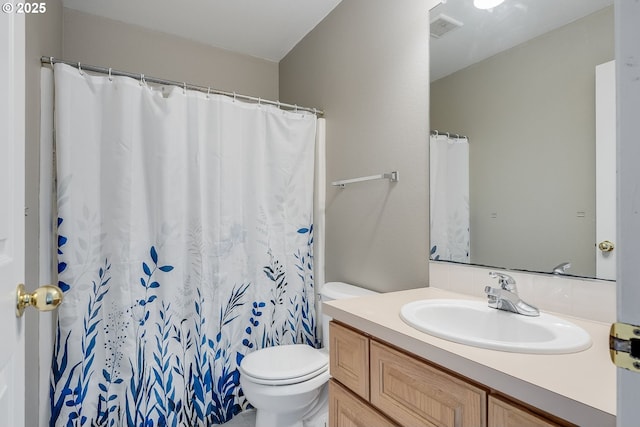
pixel 284 383
pixel 288 383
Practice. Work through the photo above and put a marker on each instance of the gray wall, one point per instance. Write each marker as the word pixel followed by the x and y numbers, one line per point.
pixel 367 66
pixel 530 115
pixel 105 42
pixel 43 37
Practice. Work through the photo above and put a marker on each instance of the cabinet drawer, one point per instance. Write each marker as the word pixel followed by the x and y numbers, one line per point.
pixel 503 413
pixel 414 393
pixel 346 410
pixel 349 359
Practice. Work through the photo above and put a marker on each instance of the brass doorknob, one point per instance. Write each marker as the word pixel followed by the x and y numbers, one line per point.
pixel 606 246
pixel 45 298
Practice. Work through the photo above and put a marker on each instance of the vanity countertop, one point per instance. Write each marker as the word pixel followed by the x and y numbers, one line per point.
pixel 579 387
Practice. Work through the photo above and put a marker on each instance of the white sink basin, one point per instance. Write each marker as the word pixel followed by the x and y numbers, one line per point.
pixel 475 323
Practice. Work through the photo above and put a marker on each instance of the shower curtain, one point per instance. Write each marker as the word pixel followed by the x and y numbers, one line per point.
pixel 185 238
pixel 449 198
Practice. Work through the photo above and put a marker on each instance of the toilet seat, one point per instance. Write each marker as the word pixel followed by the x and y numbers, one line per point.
pixel 286 381
pixel 285 364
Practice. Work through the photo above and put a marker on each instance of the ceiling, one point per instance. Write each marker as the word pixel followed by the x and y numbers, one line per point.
pixel 269 29
pixel 266 29
pixel 487 32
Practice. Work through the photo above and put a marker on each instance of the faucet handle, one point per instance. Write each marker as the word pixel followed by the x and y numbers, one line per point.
pixel 506 282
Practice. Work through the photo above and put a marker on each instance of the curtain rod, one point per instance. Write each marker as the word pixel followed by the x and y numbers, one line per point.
pixel 448 134
pixel 111 72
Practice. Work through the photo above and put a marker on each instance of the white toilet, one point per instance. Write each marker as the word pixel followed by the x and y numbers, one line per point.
pixel 288 383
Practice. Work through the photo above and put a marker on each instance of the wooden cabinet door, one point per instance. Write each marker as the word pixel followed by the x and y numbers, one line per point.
pixel 349 359
pixel 346 410
pixel 505 414
pixel 414 393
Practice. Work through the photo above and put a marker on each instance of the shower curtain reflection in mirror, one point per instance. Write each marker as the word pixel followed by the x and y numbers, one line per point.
pixel 449 198
pixel 185 242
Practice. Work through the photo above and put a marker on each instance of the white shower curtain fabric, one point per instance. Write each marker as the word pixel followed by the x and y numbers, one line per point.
pixel 185 237
pixel 449 198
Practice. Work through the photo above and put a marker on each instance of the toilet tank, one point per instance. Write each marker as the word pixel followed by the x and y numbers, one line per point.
pixel 338 290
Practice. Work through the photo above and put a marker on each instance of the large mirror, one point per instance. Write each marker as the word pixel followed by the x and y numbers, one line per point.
pixel 513 145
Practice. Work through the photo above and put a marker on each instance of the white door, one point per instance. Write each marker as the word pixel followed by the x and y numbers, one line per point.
pixel 606 171
pixel 627 16
pixel 12 174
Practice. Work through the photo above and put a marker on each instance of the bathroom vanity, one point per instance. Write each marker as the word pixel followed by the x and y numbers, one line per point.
pixel 386 373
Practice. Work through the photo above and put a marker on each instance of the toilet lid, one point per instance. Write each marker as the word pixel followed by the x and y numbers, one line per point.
pixel 284 363
pixel 286 381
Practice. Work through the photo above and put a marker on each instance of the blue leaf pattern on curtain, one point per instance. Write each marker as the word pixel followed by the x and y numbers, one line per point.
pixel 185 242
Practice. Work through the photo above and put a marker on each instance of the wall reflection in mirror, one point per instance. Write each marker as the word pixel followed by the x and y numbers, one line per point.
pixel 513 113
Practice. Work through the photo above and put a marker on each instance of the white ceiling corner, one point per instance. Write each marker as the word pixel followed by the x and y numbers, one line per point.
pixel 484 33
pixel 266 29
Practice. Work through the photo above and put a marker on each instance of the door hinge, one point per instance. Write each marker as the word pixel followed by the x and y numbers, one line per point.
pixel 624 346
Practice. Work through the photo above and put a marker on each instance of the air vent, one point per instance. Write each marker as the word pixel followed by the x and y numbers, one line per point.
pixel 443 24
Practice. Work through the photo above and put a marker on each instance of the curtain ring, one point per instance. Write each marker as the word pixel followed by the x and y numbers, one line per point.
pixel 110 77
pixel 315 111
pixel 80 69
pixel 51 60
pixel 142 80
pixel 295 108
pixel 208 92
pixel 259 102
pixel 234 97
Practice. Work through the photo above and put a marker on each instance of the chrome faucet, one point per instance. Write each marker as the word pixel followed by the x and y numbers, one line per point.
pixel 506 297
pixel 561 268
